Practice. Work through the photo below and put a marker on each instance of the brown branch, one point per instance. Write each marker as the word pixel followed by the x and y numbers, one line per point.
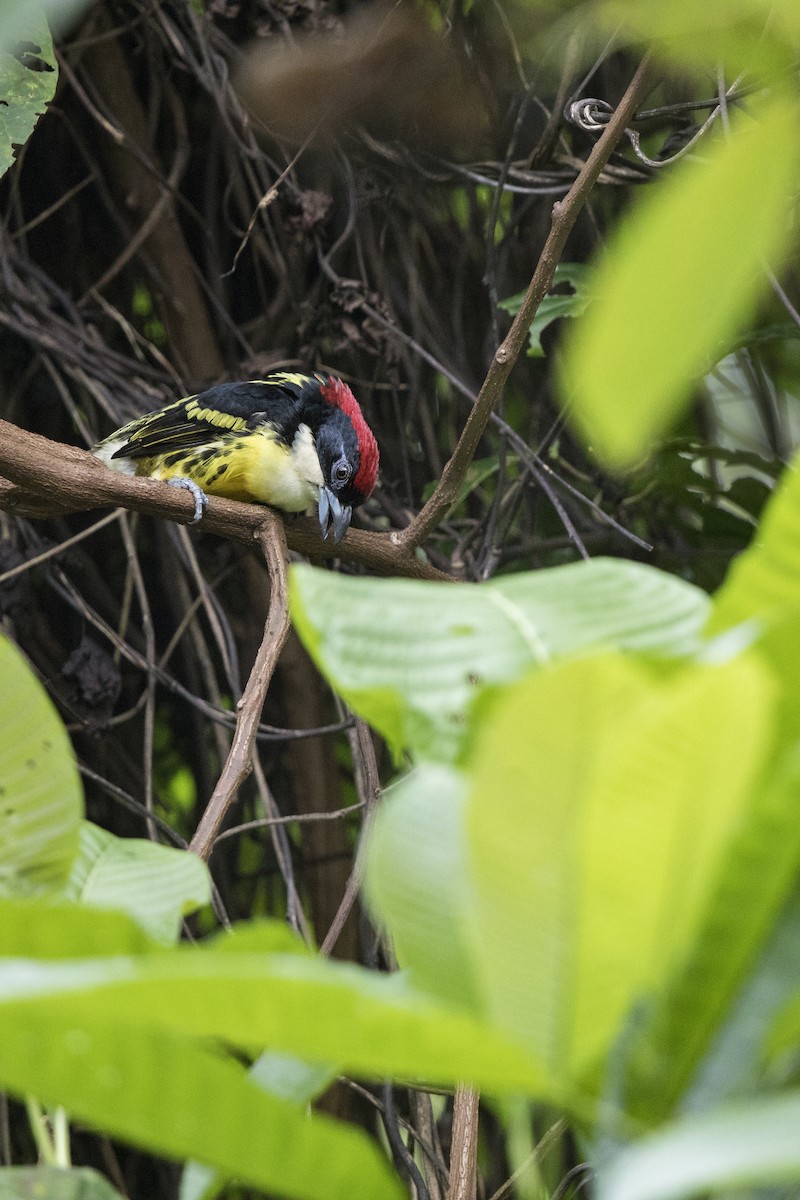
pixel 464 1149
pixel 40 478
pixel 239 763
pixel 565 214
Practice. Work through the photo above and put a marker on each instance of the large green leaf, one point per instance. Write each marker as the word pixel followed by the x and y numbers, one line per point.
pixel 417 880
pixel 765 579
pixel 41 800
pixel 131 1044
pixel 745 35
pixel 157 885
pixel 60 930
pixel 181 1098
pixel 734 1065
pixel 281 1075
pixel 753 1143
pixel 411 657
pixel 603 800
pixel 678 281
pixel 321 1011
pixel 28 77
pixel 673 1042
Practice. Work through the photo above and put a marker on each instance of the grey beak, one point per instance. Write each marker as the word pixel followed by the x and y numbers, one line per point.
pixel 331 511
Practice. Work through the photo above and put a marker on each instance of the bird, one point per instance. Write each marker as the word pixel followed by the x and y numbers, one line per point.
pixel 291 440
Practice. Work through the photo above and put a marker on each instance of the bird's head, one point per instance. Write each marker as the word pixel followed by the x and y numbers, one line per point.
pixel 348 457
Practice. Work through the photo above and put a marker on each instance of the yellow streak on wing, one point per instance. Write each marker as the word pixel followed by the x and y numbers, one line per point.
pixel 294 377
pixel 214 416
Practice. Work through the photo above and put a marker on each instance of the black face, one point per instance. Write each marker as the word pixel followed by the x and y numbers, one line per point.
pixel 337 448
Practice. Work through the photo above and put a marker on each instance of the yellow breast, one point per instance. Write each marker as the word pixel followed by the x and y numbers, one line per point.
pixel 253 466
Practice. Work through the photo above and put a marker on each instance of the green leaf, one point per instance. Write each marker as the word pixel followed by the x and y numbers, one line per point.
pixel 54 1183
pixel 764 581
pixel 417 881
pixel 749 1144
pixel 679 279
pixel 55 929
pixel 281 1075
pixel 295 1003
pixel 734 1063
pixel 555 304
pixel 19 18
pixel 323 1012
pixel 41 800
pixel 157 885
pixel 603 799
pixel 412 657
pixel 150 1086
pixel 682 1032
pixel 28 78
pixel 746 35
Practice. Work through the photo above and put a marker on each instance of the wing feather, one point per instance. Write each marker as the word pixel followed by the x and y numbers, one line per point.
pixel 228 409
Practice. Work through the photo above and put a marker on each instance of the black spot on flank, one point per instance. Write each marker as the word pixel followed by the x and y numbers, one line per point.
pixel 220 471
pixel 170 460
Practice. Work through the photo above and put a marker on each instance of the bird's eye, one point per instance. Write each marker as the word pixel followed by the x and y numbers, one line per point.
pixel 341 472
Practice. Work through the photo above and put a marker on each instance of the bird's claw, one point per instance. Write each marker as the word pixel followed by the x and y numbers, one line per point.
pixel 200 498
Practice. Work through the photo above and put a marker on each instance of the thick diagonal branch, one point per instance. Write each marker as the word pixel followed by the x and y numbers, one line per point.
pixel 40 478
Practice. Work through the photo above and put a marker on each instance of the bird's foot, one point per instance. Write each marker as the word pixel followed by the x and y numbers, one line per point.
pixel 200 498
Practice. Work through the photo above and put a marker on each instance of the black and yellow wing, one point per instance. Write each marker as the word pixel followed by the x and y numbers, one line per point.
pixel 218 414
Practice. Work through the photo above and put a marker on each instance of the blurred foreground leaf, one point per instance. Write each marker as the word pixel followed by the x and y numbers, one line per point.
pixel 680 278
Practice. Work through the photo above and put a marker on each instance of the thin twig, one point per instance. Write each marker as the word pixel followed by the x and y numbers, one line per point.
pixel 239 763
pixel 368 787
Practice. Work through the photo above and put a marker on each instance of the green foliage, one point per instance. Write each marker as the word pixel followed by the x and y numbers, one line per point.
pixel 572 303
pixel 765 581
pixel 145 1082
pixel 588 833
pixel 157 885
pixel 44 844
pixel 426 904
pixel 602 865
pixel 113 1040
pixel 413 657
pixel 662 310
pixel 28 77
pixel 737 1147
pixel 747 35
pixel 282 1075
pixel 326 1012
pixel 41 801
pixel 17 20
